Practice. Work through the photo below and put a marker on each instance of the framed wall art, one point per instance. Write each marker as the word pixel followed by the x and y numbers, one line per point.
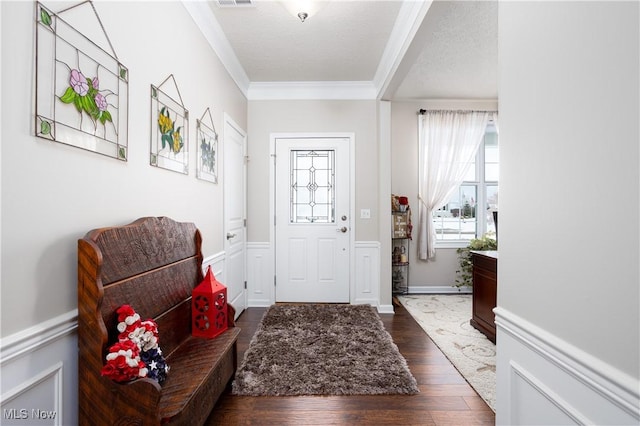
pixel 82 90
pixel 207 149
pixel 169 130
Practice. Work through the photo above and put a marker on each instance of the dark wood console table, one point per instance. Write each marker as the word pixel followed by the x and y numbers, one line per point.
pixel 485 288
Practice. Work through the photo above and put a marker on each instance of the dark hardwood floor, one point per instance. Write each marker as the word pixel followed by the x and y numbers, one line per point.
pixel 445 398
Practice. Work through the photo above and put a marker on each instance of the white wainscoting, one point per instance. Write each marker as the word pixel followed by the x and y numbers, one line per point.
pixel 544 380
pixel 260 275
pixel 365 288
pixel 39 378
pixel 217 265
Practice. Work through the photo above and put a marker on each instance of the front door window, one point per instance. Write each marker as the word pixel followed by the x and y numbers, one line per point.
pixel 312 197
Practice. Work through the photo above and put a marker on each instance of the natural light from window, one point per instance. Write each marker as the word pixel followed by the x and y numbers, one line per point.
pixel 469 212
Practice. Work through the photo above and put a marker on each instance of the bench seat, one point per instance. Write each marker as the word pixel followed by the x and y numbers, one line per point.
pixel 197 366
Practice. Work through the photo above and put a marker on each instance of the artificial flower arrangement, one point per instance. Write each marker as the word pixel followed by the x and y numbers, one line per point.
pixel 136 354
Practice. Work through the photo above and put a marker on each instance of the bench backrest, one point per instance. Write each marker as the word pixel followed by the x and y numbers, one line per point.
pixel 152 264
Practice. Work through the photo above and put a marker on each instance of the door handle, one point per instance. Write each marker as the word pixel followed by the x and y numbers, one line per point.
pixel 230 235
pixel 343 229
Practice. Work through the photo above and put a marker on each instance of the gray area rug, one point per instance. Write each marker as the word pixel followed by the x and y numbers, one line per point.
pixel 320 349
pixel 445 318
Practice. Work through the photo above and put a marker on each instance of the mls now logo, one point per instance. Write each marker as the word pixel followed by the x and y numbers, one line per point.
pixel 15 414
pixel 23 414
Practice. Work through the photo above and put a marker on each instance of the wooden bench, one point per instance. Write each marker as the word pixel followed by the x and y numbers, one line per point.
pixel 152 264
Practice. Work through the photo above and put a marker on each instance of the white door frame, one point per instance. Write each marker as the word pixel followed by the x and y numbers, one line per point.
pixel 352 208
pixel 228 121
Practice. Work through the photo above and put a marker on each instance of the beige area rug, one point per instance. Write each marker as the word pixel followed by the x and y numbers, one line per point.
pixel 445 318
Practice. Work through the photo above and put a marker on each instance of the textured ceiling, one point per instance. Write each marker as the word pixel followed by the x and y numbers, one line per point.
pixel 344 41
pixel 459 58
pixel 453 54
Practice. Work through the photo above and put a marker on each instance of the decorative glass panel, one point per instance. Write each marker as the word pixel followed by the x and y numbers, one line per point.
pixel 207 149
pixel 312 187
pixel 169 130
pixel 82 90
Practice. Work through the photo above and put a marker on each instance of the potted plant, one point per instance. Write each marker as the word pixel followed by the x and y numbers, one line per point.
pixel 465 272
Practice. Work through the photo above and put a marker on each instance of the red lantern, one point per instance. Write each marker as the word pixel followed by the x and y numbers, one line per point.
pixel 209 307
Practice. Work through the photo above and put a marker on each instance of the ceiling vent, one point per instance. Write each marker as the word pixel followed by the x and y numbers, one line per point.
pixel 234 3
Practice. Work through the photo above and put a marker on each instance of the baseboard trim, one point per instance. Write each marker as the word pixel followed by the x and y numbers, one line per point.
pixel 594 375
pixel 35 337
pixel 439 289
pixel 386 309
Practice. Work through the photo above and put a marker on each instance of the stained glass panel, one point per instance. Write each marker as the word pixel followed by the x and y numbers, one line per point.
pixel 82 90
pixel 312 186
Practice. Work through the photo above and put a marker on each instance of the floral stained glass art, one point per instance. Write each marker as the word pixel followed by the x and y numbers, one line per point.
pixel 207 149
pixel 82 89
pixel 169 131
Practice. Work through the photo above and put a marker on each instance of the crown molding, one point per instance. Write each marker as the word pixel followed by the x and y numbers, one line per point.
pixel 410 17
pixel 206 21
pixel 408 22
pixel 316 90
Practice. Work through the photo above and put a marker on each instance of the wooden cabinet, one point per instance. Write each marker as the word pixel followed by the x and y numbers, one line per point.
pixel 485 289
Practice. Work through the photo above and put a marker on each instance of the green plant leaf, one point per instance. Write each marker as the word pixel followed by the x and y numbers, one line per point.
pixel 107 116
pixel 45 127
pixel 45 17
pixel 69 95
pixel 122 153
pixel 77 101
pixel 123 73
pixel 166 140
pixel 89 105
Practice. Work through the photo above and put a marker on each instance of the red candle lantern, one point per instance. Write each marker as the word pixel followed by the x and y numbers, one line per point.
pixel 209 307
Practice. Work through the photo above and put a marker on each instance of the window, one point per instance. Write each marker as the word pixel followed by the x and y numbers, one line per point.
pixel 312 187
pixel 468 213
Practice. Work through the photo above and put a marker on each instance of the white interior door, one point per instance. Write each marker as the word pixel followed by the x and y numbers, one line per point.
pixel 312 223
pixel 234 151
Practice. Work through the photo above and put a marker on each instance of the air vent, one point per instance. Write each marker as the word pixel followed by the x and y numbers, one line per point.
pixel 234 3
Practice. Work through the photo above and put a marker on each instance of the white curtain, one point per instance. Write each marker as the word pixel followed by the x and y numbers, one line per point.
pixel 448 143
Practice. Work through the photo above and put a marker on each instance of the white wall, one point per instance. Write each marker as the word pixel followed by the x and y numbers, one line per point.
pixel 52 194
pixel 436 275
pixel 568 293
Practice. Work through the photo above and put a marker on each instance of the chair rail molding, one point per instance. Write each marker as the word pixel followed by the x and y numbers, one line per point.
pixel 216 262
pixel 40 372
pixel 542 379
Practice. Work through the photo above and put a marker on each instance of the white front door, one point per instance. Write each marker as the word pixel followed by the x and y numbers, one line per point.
pixel 312 226
pixel 234 151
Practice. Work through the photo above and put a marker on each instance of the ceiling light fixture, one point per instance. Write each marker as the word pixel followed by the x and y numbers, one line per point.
pixel 303 9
